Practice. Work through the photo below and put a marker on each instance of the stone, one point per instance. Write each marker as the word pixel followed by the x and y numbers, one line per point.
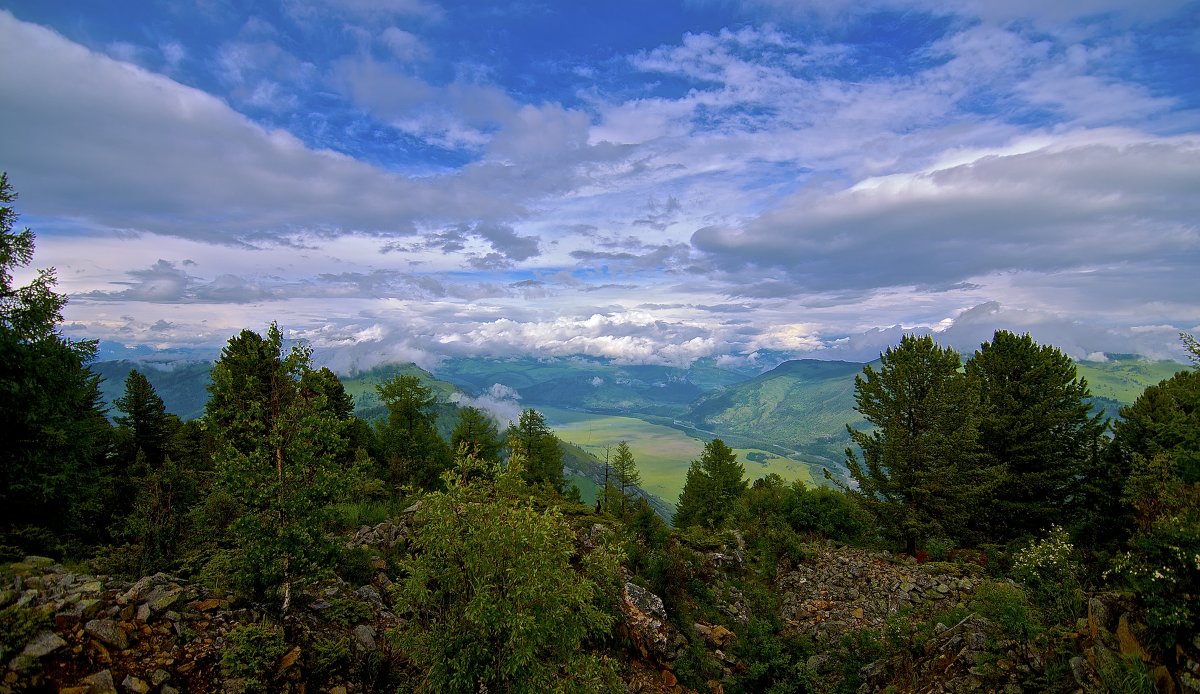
pixel 857 613
pixel 168 689
pixel 722 636
pixel 43 645
pixel 100 683
pixel 370 595
pixel 136 685
pixel 205 605
pixel 107 631
pixel 143 613
pixel 1097 618
pixel 364 634
pixel 1163 682
pixel 159 676
pixel 1130 646
pixel 289 659
pixel 668 679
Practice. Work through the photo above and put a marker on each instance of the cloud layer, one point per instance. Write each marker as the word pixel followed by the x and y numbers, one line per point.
pixel 407 180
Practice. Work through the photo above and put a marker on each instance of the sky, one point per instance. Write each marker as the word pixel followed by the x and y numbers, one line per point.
pixel 650 182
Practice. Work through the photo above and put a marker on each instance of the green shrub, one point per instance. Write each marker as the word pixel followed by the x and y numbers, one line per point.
pixel 356 566
pixel 1052 576
pixel 1126 675
pixel 347 612
pixel 251 654
pixel 1006 605
pixel 330 654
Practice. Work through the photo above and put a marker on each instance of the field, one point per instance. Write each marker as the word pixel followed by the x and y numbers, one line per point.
pixel 663 454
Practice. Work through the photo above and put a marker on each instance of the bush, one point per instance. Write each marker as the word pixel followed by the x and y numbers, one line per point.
pixel 1006 605
pixel 1051 576
pixel 347 612
pixel 251 654
pixel 330 654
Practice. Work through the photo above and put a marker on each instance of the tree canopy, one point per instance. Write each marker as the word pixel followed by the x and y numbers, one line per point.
pixel 715 481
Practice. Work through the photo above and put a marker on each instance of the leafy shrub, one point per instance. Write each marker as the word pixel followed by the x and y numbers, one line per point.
pixel 1006 605
pixel 347 612
pixel 251 654
pixel 355 566
pixel 774 662
pixel 1051 576
pixel 1126 675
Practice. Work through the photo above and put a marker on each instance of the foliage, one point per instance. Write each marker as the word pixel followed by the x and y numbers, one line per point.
pixel 626 473
pixel 477 431
pixel 1006 605
pixel 409 439
pixel 278 459
pixel 1035 424
pixel 346 611
pixel 1162 564
pixel 251 654
pixel 158 523
pixel 922 472
pixel 531 442
pixel 1051 575
pixel 53 469
pixel 715 482
pixel 497 599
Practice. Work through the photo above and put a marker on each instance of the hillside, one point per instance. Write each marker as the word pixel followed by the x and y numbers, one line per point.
pixel 183 385
pixel 802 405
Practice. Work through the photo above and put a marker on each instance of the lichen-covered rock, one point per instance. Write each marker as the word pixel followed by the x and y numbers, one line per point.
pixel 648 627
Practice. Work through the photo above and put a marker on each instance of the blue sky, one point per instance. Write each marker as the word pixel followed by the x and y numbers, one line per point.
pixel 649 182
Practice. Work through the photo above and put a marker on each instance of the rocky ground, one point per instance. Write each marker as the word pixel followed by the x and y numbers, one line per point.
pixel 161 634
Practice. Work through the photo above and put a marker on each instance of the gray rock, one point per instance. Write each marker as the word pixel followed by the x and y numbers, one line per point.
pixel 370 595
pixel 100 683
pixel 46 643
pixel 364 634
pixel 135 685
pixel 106 630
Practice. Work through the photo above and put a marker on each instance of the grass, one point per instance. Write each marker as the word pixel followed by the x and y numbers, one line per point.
pixel 663 454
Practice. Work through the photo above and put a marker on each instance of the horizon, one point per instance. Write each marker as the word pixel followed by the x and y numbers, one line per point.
pixel 409 180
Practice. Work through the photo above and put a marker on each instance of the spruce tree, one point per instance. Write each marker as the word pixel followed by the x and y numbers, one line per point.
pixel 476 433
pixel 627 474
pixel 715 482
pixel 278 446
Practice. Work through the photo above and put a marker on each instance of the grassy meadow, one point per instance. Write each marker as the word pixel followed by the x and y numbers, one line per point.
pixel 663 454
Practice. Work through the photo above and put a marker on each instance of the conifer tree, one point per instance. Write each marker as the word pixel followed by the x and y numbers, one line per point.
pixel 414 451
pixel 627 474
pixel 715 482
pixel 53 474
pixel 144 420
pixel 532 441
pixel 476 430
pixel 1035 422
pixel 922 472
pixel 278 446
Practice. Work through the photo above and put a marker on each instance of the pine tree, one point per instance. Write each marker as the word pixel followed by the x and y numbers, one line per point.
pixel 53 474
pixel 922 473
pixel 533 442
pixel 414 451
pixel 1036 424
pixel 278 446
pixel 714 484
pixel 627 475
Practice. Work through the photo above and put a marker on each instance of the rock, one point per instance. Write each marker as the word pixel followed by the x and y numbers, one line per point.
pixel 43 645
pixel 1079 672
pixel 159 676
pixel 1130 646
pixel 168 689
pixel 206 605
pixel 1163 682
pixel 364 634
pixel 371 596
pixel 100 683
pixel 107 631
pixel 818 663
pixel 647 624
pixel 722 636
pixel 143 613
pixel 289 660
pixel 668 679
pixel 135 685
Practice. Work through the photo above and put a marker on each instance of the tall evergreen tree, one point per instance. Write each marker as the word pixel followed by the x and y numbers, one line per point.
pixel 278 446
pixel 627 474
pixel 532 442
pixel 144 421
pixel 715 482
pixel 53 474
pixel 477 431
pixel 922 472
pixel 1036 424
pixel 414 451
